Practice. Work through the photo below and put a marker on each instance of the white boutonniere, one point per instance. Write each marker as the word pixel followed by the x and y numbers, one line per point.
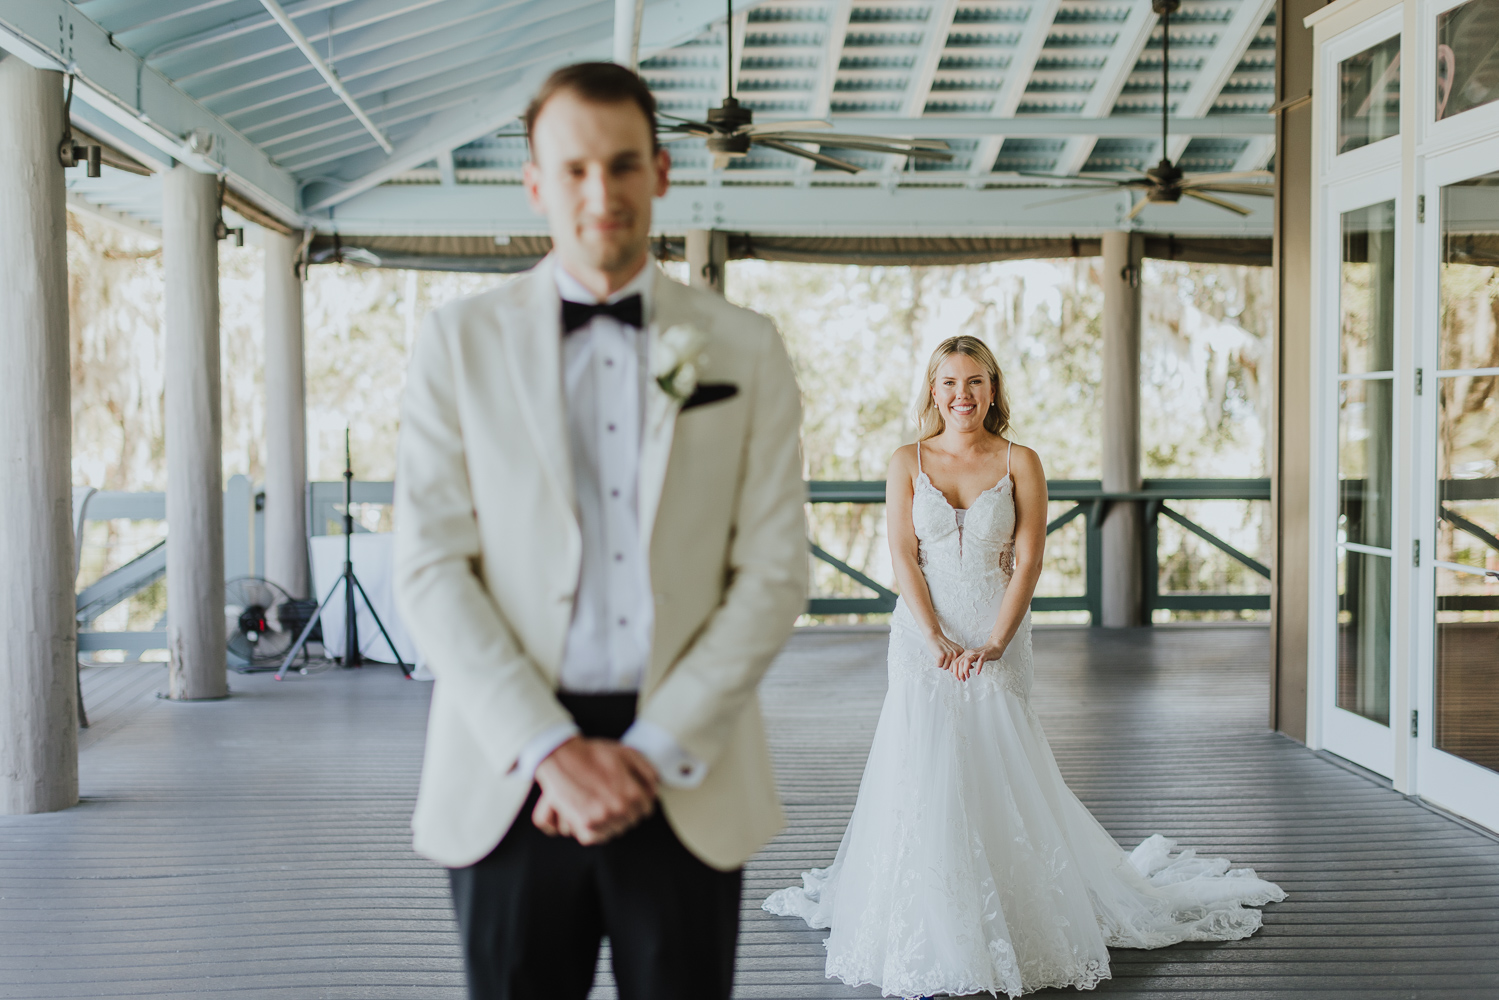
pixel 678 360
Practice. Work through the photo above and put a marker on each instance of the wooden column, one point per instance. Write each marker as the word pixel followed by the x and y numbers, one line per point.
pixel 285 419
pixel 707 252
pixel 1290 461
pixel 194 429
pixel 1124 526
pixel 38 643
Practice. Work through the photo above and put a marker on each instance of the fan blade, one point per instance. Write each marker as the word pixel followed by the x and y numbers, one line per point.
pixel 1232 175
pixel 790 135
pixel 1217 201
pixel 1094 193
pixel 786 147
pixel 757 128
pixel 721 160
pixel 1139 207
pixel 1072 180
pixel 691 128
pixel 1259 190
pixel 869 147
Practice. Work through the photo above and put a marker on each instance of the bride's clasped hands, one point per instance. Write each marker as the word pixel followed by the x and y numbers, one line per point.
pixel 961 663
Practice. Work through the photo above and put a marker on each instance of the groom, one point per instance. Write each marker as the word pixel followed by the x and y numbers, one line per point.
pixel 600 548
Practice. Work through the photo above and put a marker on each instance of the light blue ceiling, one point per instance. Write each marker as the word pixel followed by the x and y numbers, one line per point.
pixel 1013 85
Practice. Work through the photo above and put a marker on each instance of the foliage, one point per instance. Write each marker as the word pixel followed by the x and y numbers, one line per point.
pixel 859 338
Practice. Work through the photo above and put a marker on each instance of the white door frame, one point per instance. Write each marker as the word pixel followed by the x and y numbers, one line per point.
pixel 1345 733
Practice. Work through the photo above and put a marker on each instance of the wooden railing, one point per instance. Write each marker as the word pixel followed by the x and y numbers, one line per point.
pixel 1092 502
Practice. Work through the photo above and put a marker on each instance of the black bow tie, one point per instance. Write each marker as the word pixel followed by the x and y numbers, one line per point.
pixel 627 310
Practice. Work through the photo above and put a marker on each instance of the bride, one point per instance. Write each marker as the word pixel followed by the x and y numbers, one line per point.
pixel 968 866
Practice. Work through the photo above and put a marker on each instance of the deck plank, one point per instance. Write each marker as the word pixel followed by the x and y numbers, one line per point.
pixel 259 846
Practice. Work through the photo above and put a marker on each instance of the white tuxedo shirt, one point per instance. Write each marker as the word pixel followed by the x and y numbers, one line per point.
pixel 608 641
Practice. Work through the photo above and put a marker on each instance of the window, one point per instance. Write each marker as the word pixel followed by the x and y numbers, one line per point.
pixel 1467 62
pixel 1369 95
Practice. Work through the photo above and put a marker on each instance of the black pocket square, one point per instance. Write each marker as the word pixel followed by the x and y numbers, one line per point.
pixel 710 392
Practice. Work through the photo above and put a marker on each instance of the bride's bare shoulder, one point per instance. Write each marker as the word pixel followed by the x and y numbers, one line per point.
pixel 902 464
pixel 904 458
pixel 1025 462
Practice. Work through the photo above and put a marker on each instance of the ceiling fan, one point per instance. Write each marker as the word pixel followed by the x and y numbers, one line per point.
pixel 730 131
pixel 1165 183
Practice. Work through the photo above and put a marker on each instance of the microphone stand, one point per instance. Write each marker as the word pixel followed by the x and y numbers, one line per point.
pixel 352 656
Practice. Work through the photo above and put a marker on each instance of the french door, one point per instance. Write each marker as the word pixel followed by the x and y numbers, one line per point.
pixel 1457 659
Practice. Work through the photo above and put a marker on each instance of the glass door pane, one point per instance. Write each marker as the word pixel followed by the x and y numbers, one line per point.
pixel 1466 675
pixel 1366 339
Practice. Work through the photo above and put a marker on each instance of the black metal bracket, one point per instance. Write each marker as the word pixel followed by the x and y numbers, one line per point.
pixel 69 154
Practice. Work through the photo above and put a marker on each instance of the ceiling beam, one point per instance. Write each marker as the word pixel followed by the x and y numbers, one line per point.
pixel 328 73
pixel 1233 40
pixel 666 23
pixel 1256 154
pixel 534 33
pixel 820 102
pixel 354 27
pixel 1134 32
pixel 847 210
pixel 374 68
pixel 1038 22
pixel 225 44
pixel 627 15
pixel 167 22
pixel 446 169
pixel 117 84
pixel 738 28
pixel 924 72
pixel 835 30
pixel 950 126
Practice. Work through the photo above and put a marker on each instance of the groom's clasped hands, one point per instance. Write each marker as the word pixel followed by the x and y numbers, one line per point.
pixel 593 790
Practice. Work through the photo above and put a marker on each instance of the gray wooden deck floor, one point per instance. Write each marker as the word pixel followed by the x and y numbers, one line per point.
pixel 259 847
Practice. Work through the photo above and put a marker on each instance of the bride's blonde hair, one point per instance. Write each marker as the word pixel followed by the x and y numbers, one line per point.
pixel 929 422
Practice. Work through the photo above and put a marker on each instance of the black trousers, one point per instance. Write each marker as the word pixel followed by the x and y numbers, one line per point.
pixel 531 914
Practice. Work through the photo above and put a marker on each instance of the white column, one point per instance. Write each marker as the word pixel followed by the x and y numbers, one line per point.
pixel 707 252
pixel 194 435
pixel 1124 527
pixel 285 419
pixel 38 657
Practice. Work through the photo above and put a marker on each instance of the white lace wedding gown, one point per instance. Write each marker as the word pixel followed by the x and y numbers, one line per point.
pixel 968 865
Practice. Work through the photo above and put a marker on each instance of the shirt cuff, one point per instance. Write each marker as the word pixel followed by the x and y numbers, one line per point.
pixel 674 766
pixel 540 746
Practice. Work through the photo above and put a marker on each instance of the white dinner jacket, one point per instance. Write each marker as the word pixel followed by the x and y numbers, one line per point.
pixel 488 551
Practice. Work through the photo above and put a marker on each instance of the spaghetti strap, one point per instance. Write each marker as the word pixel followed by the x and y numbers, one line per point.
pixel 1007 459
pixel 918 458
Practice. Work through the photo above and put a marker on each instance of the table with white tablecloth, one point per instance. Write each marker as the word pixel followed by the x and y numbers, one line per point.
pixel 374 564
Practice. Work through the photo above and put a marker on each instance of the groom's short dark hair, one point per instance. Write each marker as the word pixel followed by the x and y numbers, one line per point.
pixel 597 83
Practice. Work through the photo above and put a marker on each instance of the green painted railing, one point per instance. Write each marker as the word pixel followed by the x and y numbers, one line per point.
pixel 1089 501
